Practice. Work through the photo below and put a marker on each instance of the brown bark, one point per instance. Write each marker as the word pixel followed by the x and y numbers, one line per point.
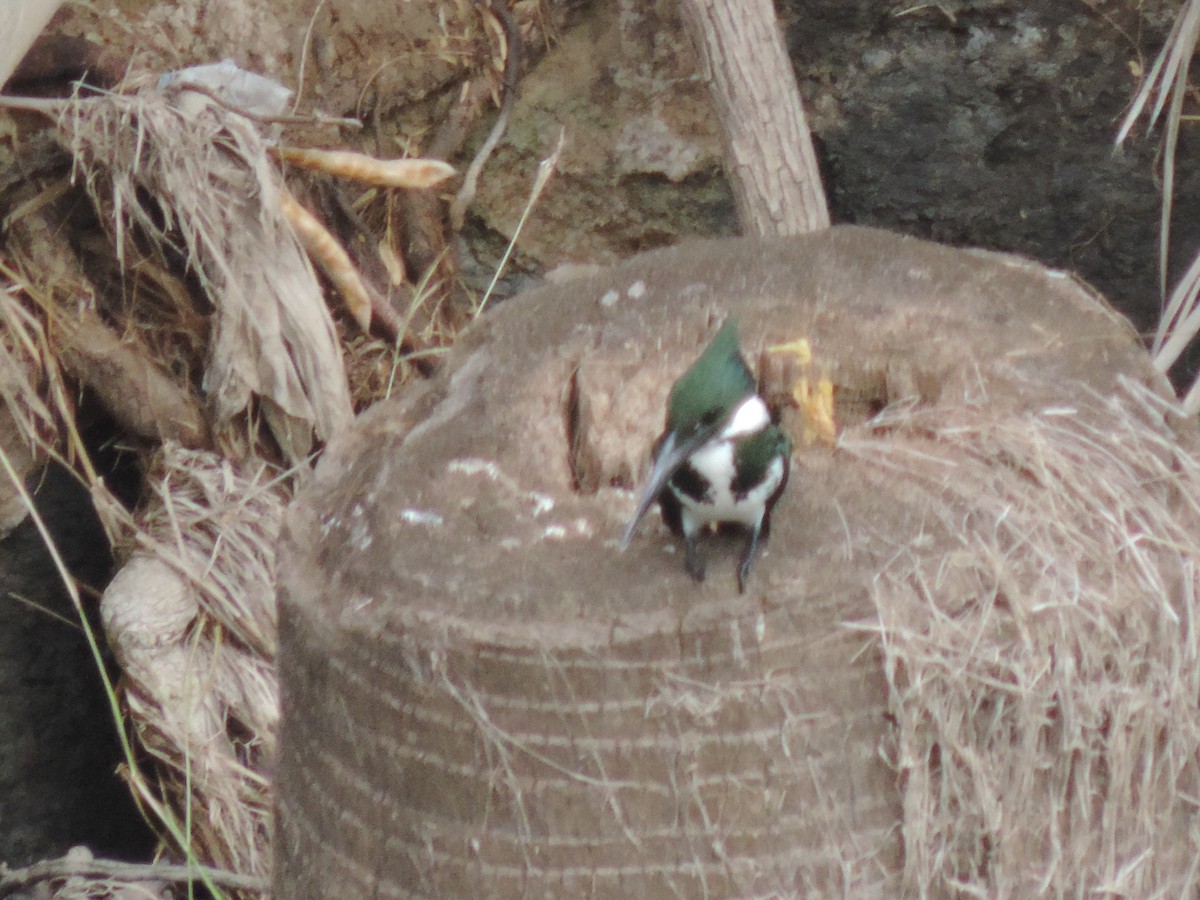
pixel 133 386
pixel 769 153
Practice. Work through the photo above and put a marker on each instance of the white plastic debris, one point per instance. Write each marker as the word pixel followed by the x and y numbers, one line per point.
pixel 254 93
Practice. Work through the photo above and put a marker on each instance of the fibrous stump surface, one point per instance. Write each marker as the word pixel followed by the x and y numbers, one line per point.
pixel 483 696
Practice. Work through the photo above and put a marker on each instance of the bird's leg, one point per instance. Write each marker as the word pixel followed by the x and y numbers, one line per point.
pixel 748 556
pixel 691 558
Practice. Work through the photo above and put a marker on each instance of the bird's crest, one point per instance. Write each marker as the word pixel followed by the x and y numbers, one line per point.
pixel 713 386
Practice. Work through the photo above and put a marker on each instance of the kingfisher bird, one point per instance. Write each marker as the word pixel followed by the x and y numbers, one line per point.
pixel 720 460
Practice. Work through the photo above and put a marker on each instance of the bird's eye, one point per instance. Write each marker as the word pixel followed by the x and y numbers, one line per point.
pixel 711 417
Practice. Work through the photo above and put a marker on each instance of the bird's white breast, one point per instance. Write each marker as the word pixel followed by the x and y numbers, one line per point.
pixel 714 461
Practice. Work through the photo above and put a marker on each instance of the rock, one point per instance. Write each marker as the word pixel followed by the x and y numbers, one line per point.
pixel 642 164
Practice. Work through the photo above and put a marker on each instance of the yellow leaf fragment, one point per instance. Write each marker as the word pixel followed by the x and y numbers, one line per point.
pixel 799 348
pixel 815 401
pixel 392 262
pixel 334 261
pixel 397 173
pixel 816 410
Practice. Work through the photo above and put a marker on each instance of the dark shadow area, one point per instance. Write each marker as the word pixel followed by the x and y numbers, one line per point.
pixel 60 751
pixel 991 124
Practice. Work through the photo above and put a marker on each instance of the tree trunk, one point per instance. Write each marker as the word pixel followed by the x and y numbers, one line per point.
pixel 485 698
pixel 769 153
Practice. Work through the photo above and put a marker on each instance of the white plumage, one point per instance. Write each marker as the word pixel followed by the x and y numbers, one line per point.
pixel 714 461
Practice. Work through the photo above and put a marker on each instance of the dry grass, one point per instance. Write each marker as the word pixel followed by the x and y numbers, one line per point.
pixel 191 620
pixel 190 616
pixel 1167 84
pixel 210 180
pixel 219 298
pixel 1042 651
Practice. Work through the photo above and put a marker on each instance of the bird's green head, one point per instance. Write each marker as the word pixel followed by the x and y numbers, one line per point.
pixel 712 388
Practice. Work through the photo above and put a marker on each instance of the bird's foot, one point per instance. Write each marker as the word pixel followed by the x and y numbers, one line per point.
pixel 743 573
pixel 692 562
pixel 747 559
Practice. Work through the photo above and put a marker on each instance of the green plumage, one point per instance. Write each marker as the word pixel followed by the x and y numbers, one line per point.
pixel 714 384
pixel 753 455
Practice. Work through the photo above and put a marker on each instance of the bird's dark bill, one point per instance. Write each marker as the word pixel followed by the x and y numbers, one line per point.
pixel 671 456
